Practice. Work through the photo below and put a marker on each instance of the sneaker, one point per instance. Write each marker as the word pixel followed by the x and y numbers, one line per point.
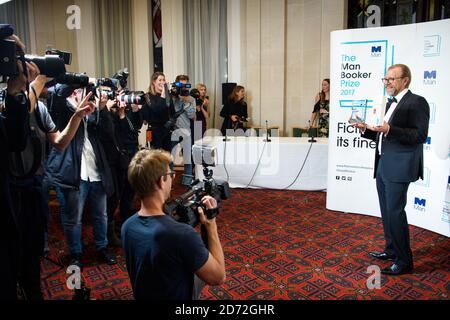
pixel 107 257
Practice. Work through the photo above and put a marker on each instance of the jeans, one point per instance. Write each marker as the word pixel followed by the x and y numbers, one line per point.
pixel 60 197
pixel 73 213
pixel 186 158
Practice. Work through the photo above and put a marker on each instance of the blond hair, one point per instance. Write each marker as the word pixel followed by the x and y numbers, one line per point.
pixel 406 72
pixel 145 169
pixel 200 85
pixel 154 77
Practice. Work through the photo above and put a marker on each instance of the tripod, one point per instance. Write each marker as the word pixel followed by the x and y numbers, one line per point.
pixel 54 262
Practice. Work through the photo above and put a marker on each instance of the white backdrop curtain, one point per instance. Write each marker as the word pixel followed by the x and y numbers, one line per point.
pixel 206 49
pixel 15 13
pixel 113 37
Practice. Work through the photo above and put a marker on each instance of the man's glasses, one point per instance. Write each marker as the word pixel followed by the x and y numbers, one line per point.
pixel 171 174
pixel 389 80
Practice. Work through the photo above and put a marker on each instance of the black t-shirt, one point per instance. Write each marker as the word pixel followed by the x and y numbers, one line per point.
pixel 157 113
pixel 199 116
pixel 162 256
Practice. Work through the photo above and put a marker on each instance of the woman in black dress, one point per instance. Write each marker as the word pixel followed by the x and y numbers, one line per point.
pixel 157 112
pixel 234 111
pixel 321 112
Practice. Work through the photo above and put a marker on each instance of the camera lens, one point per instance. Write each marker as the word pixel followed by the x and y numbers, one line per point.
pixel 133 99
pixel 50 65
pixel 73 78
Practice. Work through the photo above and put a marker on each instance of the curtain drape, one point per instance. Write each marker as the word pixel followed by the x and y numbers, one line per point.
pixel 15 13
pixel 206 49
pixel 113 37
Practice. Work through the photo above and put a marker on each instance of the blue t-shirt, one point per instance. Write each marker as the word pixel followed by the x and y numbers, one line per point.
pixel 162 256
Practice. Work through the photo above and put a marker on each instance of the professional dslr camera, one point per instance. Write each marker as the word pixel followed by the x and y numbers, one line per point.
pixel 122 76
pixel 129 97
pixel 185 207
pixel 134 97
pixel 50 65
pixel 103 85
pixel 196 95
pixel 180 89
pixel 72 78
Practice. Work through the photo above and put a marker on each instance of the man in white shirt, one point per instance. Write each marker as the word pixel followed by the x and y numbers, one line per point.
pixel 82 172
pixel 398 162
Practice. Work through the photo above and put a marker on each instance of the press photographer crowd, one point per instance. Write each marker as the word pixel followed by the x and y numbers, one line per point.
pixel 78 135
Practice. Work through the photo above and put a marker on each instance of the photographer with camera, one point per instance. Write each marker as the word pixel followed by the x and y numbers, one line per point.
pixel 166 259
pixel 82 170
pixel 157 112
pixel 184 106
pixel 234 111
pixel 120 141
pixel 26 165
pixel 13 136
pixel 202 105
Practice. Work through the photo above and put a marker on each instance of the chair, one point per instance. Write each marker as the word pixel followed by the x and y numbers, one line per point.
pixel 274 131
pixel 256 130
pixel 299 131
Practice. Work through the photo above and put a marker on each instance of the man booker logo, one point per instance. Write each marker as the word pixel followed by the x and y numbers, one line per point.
pixel 376 51
pixel 420 204
pixel 429 77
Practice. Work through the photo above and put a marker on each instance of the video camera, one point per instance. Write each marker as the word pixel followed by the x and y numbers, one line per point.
pixel 49 65
pixel 185 208
pixel 180 89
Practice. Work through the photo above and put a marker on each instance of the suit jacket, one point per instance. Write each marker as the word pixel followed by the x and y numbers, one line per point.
pixel 402 148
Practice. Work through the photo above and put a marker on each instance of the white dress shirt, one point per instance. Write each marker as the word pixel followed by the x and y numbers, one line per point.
pixel 388 115
pixel 89 170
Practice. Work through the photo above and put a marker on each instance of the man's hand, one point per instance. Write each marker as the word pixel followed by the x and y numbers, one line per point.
pixel 384 128
pixel 17 41
pixel 122 105
pixel 18 83
pixel 135 107
pixel 85 107
pixel 234 118
pixel 210 203
pixel 103 100
pixel 359 125
pixel 110 104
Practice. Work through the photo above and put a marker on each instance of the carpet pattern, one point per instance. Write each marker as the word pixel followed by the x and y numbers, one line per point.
pixel 279 245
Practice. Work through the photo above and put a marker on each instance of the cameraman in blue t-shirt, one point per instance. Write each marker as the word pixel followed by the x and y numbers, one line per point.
pixel 166 259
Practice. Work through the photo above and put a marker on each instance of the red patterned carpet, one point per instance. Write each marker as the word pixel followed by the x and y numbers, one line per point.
pixel 280 245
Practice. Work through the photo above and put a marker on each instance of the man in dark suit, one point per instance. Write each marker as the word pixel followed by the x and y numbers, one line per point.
pixel 398 162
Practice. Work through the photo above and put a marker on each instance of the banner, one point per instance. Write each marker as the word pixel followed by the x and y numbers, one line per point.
pixel 359 59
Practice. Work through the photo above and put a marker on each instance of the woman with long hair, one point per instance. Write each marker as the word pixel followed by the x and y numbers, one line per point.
pixel 321 111
pixel 157 112
pixel 234 111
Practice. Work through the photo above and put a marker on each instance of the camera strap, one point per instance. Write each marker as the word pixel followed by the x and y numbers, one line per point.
pixel 130 124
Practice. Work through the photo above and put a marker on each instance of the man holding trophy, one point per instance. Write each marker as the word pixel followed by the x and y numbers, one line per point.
pixel 398 162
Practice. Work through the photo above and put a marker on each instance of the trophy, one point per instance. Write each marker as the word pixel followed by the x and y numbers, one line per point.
pixel 376 116
pixel 359 111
